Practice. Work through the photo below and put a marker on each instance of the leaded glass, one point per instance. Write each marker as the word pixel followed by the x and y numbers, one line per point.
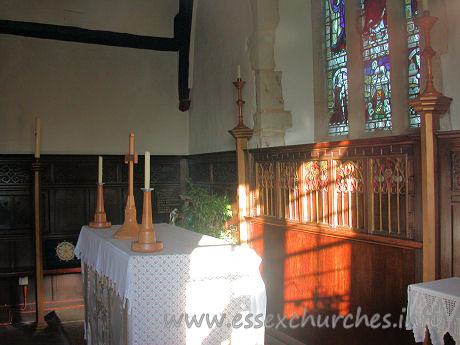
pixel 377 89
pixel 413 44
pixel 337 74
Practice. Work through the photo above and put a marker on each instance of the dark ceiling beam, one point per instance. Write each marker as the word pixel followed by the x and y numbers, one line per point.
pixel 180 42
pixel 182 30
pixel 76 34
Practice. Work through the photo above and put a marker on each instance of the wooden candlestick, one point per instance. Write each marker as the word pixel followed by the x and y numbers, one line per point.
pixel 37 168
pixel 431 104
pixel 130 229
pixel 100 218
pixel 147 242
pixel 242 134
pixel 239 84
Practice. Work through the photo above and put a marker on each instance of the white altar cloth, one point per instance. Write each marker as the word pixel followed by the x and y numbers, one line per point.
pixel 435 305
pixel 194 275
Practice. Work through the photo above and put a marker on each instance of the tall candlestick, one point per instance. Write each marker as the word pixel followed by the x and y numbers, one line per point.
pixel 99 171
pixel 37 137
pixel 425 5
pixel 238 72
pixel 130 229
pixel 147 170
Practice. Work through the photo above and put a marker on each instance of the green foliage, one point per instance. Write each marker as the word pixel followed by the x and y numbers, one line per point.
pixel 204 212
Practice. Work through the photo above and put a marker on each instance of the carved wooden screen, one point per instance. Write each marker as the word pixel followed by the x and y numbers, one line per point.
pixel 315 181
pixel 366 189
pixel 265 180
pixel 389 195
pixel 349 187
pixel 289 187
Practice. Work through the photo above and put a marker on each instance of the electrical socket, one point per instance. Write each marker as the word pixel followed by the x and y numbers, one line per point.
pixel 24 280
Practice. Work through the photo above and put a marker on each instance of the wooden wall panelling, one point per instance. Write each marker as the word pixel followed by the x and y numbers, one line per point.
pixel 363 252
pixel 447 167
pixel 15 212
pixel 216 172
pixel 334 275
pixel 449 202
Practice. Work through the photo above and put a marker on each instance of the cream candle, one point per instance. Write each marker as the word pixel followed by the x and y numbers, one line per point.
pixel 238 72
pixel 425 5
pixel 99 171
pixel 147 170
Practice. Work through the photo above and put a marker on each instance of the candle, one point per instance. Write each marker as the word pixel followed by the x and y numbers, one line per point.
pixel 238 72
pixel 37 137
pixel 99 171
pixel 147 170
pixel 425 5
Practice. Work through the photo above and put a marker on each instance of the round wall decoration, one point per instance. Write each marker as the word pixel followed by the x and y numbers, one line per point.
pixel 65 251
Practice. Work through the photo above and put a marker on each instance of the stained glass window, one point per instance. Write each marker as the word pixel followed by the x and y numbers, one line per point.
pixel 337 74
pixel 377 89
pixel 413 44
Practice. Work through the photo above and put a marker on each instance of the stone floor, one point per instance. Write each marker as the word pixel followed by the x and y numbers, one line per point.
pixel 58 332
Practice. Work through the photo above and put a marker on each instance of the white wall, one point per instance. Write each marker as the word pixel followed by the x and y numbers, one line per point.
pixel 221 32
pixel 90 97
pixel 222 29
pixel 294 58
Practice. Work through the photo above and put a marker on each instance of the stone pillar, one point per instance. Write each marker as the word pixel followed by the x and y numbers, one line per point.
pixel 397 32
pixel 270 119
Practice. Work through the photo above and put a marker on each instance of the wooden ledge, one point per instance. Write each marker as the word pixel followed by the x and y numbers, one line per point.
pixel 338 233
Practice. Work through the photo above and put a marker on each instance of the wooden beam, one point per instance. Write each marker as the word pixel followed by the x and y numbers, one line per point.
pixel 182 31
pixel 76 34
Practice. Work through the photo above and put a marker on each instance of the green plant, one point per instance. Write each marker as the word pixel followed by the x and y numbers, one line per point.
pixel 204 212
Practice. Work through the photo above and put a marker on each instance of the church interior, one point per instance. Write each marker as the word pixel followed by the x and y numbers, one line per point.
pixel 332 126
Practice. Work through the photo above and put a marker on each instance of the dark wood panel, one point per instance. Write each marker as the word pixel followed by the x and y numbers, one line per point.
pixel 448 172
pixel 216 172
pixel 16 212
pixel 70 211
pixel 334 276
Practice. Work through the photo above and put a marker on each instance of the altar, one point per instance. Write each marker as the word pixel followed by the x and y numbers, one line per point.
pixel 198 290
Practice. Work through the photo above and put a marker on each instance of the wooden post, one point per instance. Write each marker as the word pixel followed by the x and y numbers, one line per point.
pixel 242 134
pixel 40 316
pixel 431 104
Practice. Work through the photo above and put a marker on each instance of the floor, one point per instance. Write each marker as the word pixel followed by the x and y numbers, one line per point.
pixel 64 328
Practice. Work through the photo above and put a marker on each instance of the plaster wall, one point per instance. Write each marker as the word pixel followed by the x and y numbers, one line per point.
pixel 294 58
pixel 222 29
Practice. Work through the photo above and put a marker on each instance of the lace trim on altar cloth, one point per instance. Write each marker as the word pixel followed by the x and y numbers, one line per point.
pixel 436 311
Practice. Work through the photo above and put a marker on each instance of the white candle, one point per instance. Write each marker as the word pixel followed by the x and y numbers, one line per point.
pixel 99 171
pixel 37 137
pixel 425 5
pixel 238 72
pixel 147 170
